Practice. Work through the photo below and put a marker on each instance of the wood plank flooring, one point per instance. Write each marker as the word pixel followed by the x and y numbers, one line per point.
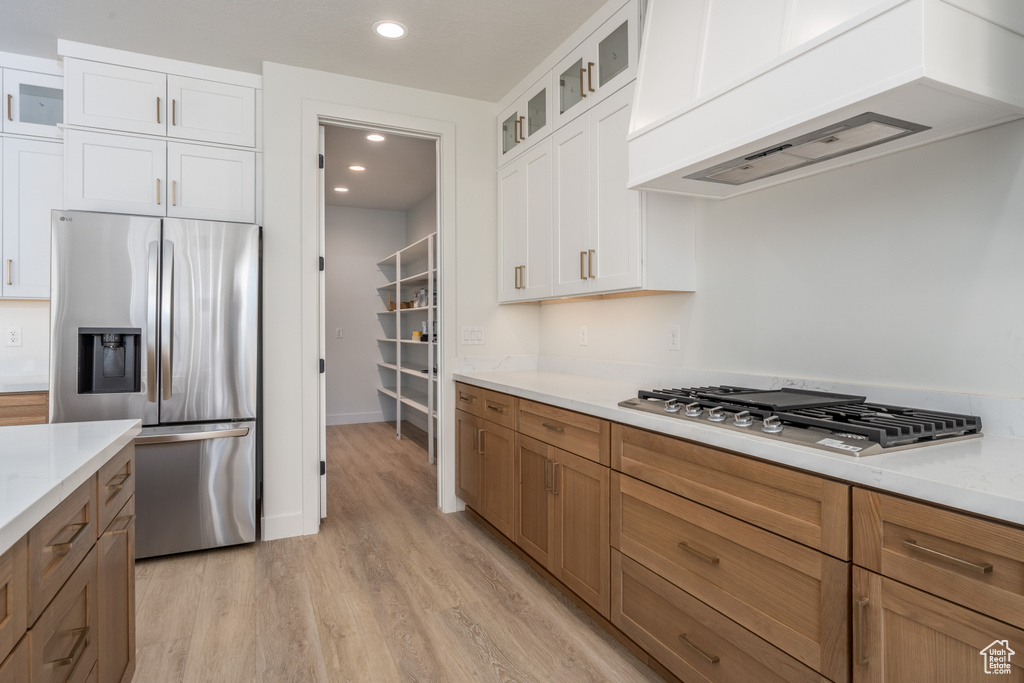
pixel 390 589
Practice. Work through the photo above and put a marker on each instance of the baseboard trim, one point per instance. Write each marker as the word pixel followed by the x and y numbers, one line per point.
pixel 281 526
pixel 354 418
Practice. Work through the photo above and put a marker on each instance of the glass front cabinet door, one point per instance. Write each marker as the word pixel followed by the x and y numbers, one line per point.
pixel 602 64
pixel 33 103
pixel 526 121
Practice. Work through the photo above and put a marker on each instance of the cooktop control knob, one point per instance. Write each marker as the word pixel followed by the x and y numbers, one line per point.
pixel 743 419
pixel 716 414
pixel 693 410
pixel 772 425
pixel 673 406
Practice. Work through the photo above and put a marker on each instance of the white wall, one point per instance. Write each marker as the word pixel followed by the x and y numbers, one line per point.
pixel 292 98
pixel 33 317
pixel 423 218
pixel 356 239
pixel 903 271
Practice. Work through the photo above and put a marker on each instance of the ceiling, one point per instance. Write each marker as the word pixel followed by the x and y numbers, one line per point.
pixel 400 171
pixel 473 48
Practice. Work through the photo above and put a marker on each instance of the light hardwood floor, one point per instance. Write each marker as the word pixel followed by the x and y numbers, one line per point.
pixel 390 589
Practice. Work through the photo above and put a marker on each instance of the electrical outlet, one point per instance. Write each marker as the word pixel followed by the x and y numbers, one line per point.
pixel 584 335
pixel 338 333
pixel 673 337
pixel 13 336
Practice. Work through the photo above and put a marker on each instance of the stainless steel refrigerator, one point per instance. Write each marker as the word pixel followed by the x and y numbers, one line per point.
pixel 157 319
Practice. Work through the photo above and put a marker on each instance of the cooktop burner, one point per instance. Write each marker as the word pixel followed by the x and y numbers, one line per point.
pixel 836 422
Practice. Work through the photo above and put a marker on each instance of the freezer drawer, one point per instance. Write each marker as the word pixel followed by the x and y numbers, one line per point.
pixel 195 488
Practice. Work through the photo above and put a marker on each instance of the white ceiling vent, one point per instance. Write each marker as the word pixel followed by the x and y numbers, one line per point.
pixel 845 137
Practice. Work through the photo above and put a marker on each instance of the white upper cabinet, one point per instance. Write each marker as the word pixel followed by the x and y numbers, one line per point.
pixel 211 183
pixel 211 112
pixel 33 185
pixel 33 103
pixel 571 170
pixel 602 64
pixel 115 97
pixel 525 121
pixel 524 226
pixel 116 173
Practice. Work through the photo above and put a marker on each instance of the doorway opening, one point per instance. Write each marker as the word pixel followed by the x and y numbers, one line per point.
pixel 380 312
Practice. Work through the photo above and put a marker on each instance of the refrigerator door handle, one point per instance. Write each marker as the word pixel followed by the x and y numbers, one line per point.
pixel 191 436
pixel 166 313
pixel 151 313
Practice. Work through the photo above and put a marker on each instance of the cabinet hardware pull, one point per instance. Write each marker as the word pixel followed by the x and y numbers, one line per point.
pixel 158 110
pixel 984 568
pixel 124 527
pixel 154 271
pixel 858 631
pixel 9 98
pixel 476 440
pixel 554 428
pixel 466 399
pixel 711 659
pixel 83 635
pixel 192 436
pixel 547 468
pixel 174 193
pixel 158 192
pixel 522 276
pixel 554 477
pixel 517 277
pixel 698 554
pixel 522 129
pixel 497 409
pixel 583 262
pixel 9 271
pixel 483 447
pixel 515 131
pixel 63 548
pixel 590 73
pixel 174 112
pixel 118 481
pixel 590 263
pixel 582 91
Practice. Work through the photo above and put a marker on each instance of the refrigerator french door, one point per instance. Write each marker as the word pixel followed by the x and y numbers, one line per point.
pixel 156 319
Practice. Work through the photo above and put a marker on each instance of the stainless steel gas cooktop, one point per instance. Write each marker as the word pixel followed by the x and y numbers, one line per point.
pixel 840 423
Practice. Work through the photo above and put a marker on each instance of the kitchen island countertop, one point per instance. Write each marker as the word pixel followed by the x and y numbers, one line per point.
pixel 984 476
pixel 40 465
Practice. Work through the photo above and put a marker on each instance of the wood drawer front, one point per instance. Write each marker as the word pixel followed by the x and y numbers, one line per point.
pixel 29 408
pixel 974 562
pixel 13 596
pixel 115 484
pixel 469 398
pixel 57 545
pixel 574 432
pixel 908 635
pixel 658 616
pixel 500 408
pixel 792 596
pixel 16 669
pixel 62 642
pixel 803 507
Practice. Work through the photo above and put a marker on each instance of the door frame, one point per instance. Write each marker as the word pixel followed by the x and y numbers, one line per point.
pixel 314 114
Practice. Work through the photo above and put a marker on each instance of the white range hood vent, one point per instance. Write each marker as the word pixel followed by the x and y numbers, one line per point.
pixel 845 137
pixel 734 96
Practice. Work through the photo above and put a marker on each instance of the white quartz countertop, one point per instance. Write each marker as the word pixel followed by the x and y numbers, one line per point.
pixel 18 383
pixel 41 465
pixel 984 476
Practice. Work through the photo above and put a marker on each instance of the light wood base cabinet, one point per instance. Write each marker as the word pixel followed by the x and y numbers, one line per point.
pixel 15 668
pixel 485 467
pixel 62 643
pixel 467 458
pixel 24 408
pixel 116 597
pixel 904 634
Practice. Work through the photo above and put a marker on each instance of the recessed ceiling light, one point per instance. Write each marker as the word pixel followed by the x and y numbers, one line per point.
pixel 375 137
pixel 390 29
pixel 356 167
pixel 341 189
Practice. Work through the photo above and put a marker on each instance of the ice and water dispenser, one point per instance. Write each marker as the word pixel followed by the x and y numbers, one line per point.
pixel 108 360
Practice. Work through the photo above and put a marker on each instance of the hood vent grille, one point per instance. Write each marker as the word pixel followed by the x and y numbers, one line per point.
pixel 845 137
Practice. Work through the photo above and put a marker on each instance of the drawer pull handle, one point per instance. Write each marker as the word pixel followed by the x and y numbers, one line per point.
pixel 63 548
pixel 858 632
pixel 83 635
pixel 554 428
pixel 547 476
pixel 483 448
pixel 466 399
pixel 554 477
pixel 118 481
pixel 985 568
pixel 698 554
pixel 497 409
pixel 125 523
pixel 711 659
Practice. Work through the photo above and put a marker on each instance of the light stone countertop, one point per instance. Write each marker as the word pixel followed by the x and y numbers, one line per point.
pixel 984 476
pixel 18 383
pixel 41 465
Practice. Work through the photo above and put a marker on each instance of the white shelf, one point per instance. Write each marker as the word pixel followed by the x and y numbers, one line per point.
pixel 385 339
pixel 389 366
pixel 388 392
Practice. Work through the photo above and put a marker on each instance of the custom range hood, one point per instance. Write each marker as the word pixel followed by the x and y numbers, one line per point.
pixel 737 95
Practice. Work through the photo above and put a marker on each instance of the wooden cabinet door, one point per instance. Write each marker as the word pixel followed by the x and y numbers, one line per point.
pixel 33 103
pixel 16 669
pixel 116 173
pixel 570 157
pixel 580 554
pixel 497 497
pixel 903 634
pixel 511 230
pixel 614 241
pixel 211 112
pixel 116 596
pixel 115 97
pixel 62 642
pixel 13 597
pixel 467 459
pixel 535 516
pixel 33 185
pixel 211 183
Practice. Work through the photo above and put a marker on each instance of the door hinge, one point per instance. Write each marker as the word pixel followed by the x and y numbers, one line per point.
pixel 321 264
pixel 323 467
pixel 322 366
pixel 321 161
